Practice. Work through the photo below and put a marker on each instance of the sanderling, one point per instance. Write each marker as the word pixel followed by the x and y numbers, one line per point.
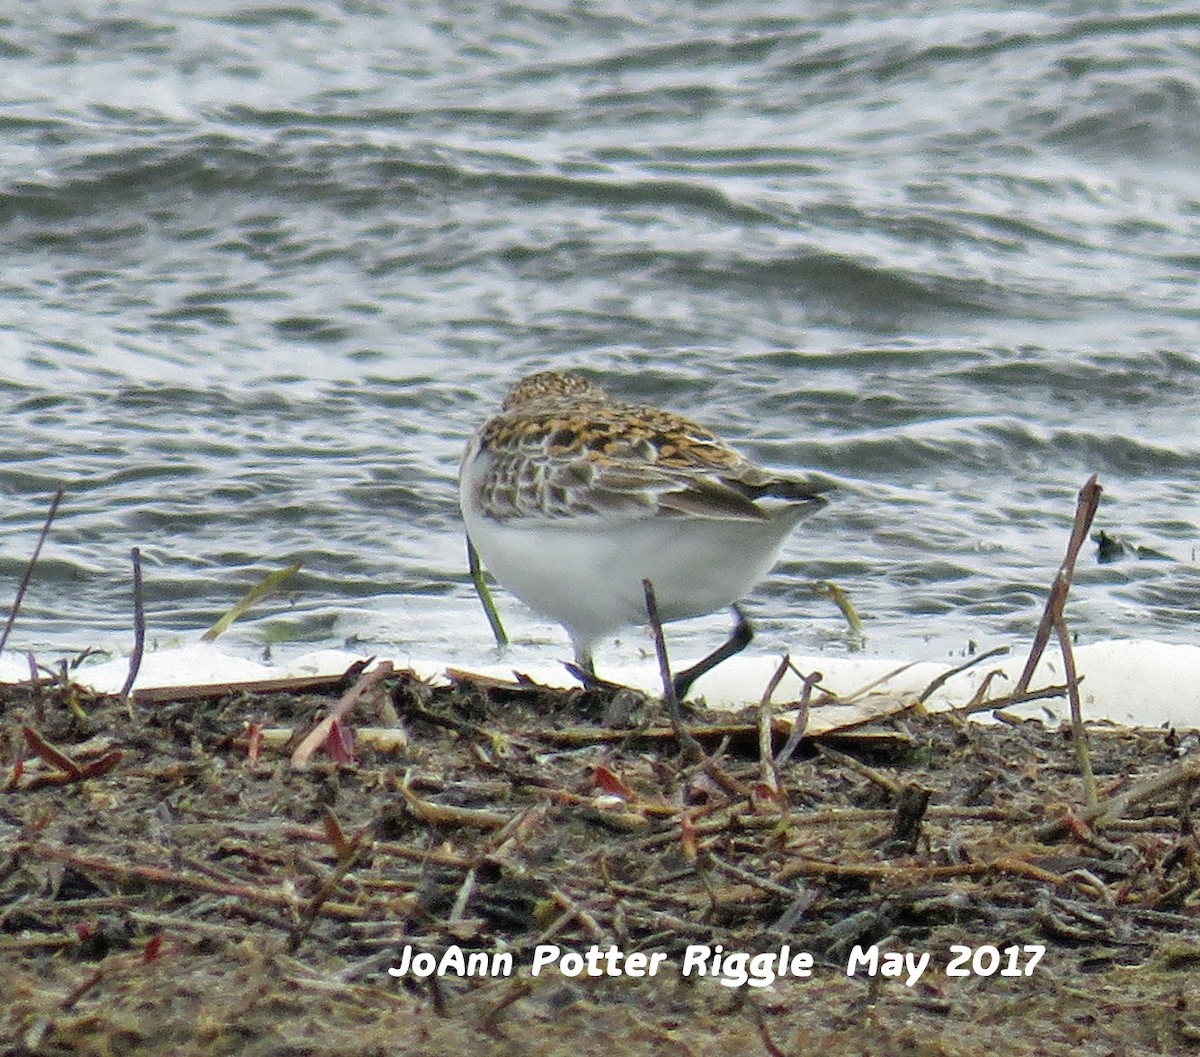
pixel 572 499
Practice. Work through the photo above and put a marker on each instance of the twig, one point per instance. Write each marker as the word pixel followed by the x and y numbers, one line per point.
pixel 996 704
pixel 291 684
pixel 282 896
pixel 660 649
pixel 945 676
pixel 773 1050
pixel 316 738
pixel 765 884
pixel 139 624
pixel 35 675
pixel 448 814
pixel 348 858
pixel 67 769
pixel 876 776
pixel 1078 734
pixel 911 873
pixel 1085 511
pixel 1053 619
pixel 379 739
pixel 437 857
pixel 490 1021
pixel 862 691
pixel 465 890
pixel 580 914
pixel 982 690
pixel 769 770
pixel 1110 812
pixel 90 981
pixel 28 575
pixel 800 723
pixel 342 845
pixel 689 744
pixel 51 753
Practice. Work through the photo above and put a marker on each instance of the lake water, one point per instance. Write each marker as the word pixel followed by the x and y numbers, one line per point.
pixel 267 265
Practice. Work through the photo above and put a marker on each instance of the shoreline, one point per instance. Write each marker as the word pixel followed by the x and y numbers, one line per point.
pixel 1138 683
pixel 176 881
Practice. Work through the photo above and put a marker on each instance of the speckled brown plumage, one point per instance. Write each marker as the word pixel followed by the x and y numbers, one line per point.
pixel 561 448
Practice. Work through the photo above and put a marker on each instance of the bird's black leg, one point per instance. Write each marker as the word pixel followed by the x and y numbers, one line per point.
pixel 584 668
pixel 738 640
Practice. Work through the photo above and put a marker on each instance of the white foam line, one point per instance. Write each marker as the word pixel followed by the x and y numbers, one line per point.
pixel 1132 682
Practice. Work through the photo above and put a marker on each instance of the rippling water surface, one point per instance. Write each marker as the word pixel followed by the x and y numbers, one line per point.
pixel 267 265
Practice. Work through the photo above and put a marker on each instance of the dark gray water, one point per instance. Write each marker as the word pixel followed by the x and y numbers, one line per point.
pixel 266 265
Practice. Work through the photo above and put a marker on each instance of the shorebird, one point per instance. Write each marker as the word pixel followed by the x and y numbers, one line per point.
pixel 572 499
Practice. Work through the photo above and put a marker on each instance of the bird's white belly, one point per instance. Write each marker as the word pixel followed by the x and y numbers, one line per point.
pixel 587 574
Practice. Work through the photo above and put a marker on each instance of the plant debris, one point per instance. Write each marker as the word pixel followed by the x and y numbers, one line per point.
pixel 170 882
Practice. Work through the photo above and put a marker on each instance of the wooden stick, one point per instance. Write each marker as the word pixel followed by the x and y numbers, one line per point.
pixel 996 651
pixel 139 624
pixel 1053 619
pixel 12 614
pixel 288 684
pixel 1085 511
pixel 281 896
pixel 689 744
pixel 1112 811
pixel 316 737
pixel 800 723
pixel 768 771
pixel 1078 734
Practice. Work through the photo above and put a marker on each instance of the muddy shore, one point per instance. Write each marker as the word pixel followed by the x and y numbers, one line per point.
pixel 170 883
